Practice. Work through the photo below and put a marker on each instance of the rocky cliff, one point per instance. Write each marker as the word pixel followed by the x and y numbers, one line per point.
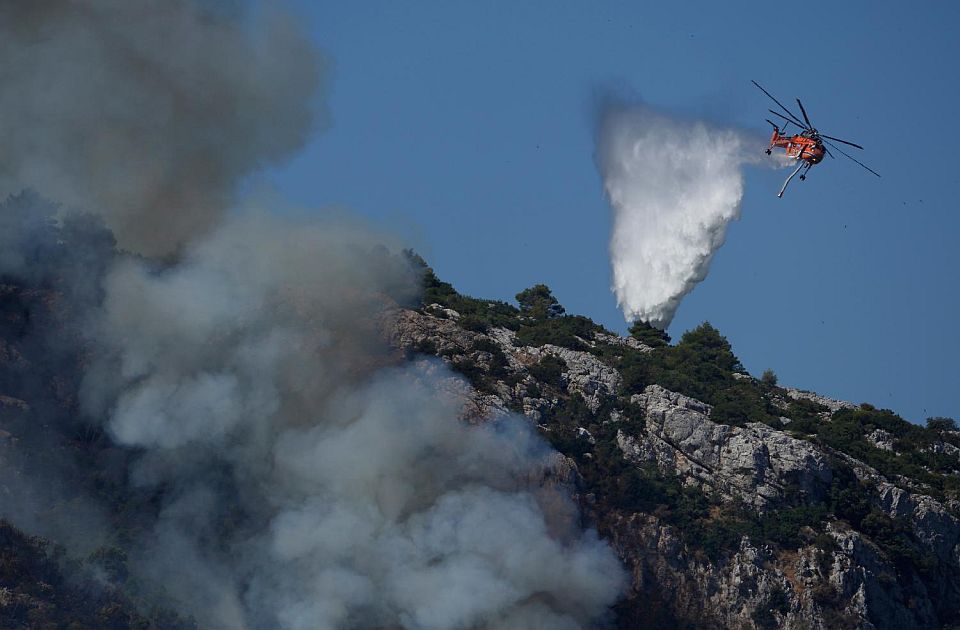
pixel 733 502
pixel 773 507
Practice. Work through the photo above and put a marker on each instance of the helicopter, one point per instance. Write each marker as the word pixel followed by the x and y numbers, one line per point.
pixel 809 146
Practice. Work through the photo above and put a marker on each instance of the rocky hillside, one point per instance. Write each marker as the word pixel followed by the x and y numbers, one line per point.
pixel 735 503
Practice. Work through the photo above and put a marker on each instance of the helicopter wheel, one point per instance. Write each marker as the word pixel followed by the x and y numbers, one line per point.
pixel 803 177
pixel 769 152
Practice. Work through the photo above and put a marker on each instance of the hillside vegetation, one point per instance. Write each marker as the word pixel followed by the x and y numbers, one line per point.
pixel 866 456
pixel 733 500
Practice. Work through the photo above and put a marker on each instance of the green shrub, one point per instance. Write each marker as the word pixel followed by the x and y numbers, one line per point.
pixel 549 371
pixel 469 369
pixel 477 315
pixel 499 364
pixel 566 439
pixel 538 302
pixel 940 424
pixel 847 431
pixel 776 602
pixel 474 323
pixel 648 335
pixel 701 366
pixel 895 539
pixel 425 346
pixel 566 332
pixel 785 526
pixel 740 403
pixel 804 416
pixel 570 410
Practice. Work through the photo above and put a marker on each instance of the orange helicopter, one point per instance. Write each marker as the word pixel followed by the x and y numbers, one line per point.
pixel 807 147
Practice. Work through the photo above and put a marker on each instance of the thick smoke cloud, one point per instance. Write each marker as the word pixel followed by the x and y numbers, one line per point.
pixel 300 473
pixel 251 376
pixel 674 185
pixel 148 112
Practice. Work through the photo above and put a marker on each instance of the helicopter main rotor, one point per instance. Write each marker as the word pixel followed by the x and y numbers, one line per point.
pixel 810 131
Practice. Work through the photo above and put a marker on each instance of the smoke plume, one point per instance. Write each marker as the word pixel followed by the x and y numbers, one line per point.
pixel 147 112
pixel 674 185
pixel 251 377
pixel 291 471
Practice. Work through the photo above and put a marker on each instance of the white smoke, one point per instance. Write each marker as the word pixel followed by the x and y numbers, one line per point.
pixel 253 377
pixel 674 185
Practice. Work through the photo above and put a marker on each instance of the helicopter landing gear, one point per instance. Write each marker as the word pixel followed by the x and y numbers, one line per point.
pixel 768 151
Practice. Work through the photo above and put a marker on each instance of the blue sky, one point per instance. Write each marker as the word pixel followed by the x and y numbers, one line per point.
pixel 468 128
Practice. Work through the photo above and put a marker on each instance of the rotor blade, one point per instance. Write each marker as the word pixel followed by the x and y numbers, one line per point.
pixel 804 112
pixel 795 120
pixel 852 158
pixel 843 141
pixel 772 123
pixel 828 152
pixel 792 122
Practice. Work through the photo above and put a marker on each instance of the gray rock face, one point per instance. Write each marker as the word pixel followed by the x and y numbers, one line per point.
pixel 616 340
pixel 848 586
pixel 830 403
pixel 586 375
pixel 881 439
pixel 410 330
pixel 535 408
pixel 407 329
pixel 755 463
pixel 440 311
pixel 932 523
pixel 946 448
pixel 863 584
pixel 849 583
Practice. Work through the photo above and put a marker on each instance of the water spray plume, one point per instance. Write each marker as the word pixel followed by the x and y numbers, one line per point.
pixel 674 185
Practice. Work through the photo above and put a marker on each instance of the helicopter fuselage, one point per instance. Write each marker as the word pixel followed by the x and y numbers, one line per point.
pixel 808 146
pixel 799 146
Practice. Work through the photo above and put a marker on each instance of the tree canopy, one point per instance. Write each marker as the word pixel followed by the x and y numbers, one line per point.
pixel 538 302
